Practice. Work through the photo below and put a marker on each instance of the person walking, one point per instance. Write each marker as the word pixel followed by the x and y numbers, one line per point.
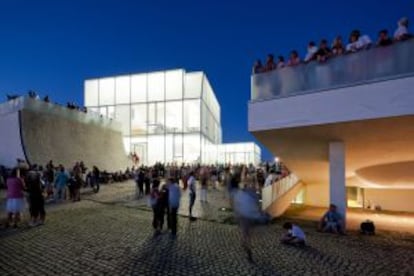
pixel 174 196
pixel 246 206
pixel 191 183
pixel 204 184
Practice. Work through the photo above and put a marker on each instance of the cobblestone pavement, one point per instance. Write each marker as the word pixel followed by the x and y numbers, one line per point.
pixel 105 234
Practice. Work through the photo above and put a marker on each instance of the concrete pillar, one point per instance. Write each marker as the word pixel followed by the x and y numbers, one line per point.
pixel 337 190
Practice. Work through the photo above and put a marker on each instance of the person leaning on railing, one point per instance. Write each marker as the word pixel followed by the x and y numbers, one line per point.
pixel 401 33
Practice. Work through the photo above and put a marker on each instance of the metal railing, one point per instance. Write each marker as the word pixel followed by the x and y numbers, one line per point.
pixel 278 189
pixel 366 66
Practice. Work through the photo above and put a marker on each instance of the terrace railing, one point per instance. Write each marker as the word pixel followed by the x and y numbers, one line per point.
pixel 366 66
pixel 278 189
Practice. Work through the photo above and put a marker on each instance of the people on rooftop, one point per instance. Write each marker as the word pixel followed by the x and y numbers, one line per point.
pixel 338 47
pixel 270 63
pixel 294 58
pixel 356 42
pixel 312 49
pixel 383 38
pixel 324 52
pixel 401 33
pixel 257 67
pixel 280 62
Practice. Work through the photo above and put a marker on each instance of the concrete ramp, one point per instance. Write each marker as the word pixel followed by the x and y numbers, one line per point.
pixel 39 132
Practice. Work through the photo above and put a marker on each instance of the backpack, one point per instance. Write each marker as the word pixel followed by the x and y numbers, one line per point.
pixel 367 227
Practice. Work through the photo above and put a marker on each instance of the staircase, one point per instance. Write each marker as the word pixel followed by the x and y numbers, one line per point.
pixel 277 198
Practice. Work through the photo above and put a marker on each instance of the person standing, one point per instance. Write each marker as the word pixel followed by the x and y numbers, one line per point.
pixel 15 198
pixel 154 200
pixel 192 193
pixel 174 196
pixel 36 200
pixel 95 178
pixel 62 179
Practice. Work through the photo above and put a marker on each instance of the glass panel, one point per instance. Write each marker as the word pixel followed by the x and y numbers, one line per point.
pixel 204 118
pixel 169 145
pixel 193 85
pixel 156 149
pixel 380 63
pixel 174 84
pixel 174 116
pixel 156 114
pixel 111 112
pixel 139 145
pixel 139 119
pixel 139 88
pixel 123 115
pixel 192 115
pixel 192 148
pixel 156 86
pixel 122 87
pixel 174 148
pixel 103 111
pixel 107 91
pixel 178 146
pixel 91 93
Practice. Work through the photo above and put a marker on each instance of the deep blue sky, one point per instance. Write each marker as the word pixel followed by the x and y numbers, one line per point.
pixel 52 46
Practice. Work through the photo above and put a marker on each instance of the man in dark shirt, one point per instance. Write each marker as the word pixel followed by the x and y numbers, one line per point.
pixel 324 52
pixel 383 38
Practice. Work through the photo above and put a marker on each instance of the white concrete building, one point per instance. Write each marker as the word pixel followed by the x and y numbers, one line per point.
pixel 345 128
pixel 167 116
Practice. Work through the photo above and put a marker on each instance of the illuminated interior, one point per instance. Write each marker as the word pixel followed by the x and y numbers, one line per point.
pixel 167 116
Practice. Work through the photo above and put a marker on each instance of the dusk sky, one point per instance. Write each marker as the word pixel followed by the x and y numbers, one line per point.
pixel 53 46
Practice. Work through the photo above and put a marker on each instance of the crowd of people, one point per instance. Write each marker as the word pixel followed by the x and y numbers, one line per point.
pixel 162 184
pixel 33 184
pixel 34 95
pixel 356 42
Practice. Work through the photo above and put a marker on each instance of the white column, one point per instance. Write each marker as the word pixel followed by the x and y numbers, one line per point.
pixel 337 191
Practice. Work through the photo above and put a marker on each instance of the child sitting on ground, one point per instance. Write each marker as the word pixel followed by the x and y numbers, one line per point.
pixel 294 235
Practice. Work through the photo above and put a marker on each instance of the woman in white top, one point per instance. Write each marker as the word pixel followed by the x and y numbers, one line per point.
pixel 401 33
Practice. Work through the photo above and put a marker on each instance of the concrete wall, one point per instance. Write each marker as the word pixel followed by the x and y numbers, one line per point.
pixel 65 141
pixel 370 101
pixel 391 200
pixel 10 142
pixel 317 195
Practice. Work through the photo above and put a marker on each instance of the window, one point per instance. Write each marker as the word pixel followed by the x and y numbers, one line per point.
pixel 107 91
pixel 174 116
pixel 138 88
pixel 139 119
pixel 192 114
pixel 123 115
pixel 91 93
pixel 174 85
pixel 156 86
pixel 193 84
pixel 122 90
pixel 156 149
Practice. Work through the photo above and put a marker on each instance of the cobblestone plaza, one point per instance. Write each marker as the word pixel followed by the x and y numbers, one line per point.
pixel 110 233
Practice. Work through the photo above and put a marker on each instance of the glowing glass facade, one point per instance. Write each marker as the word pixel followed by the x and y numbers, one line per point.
pixel 167 116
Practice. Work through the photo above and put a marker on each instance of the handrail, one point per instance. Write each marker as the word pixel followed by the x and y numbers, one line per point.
pixel 278 189
pixel 365 66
